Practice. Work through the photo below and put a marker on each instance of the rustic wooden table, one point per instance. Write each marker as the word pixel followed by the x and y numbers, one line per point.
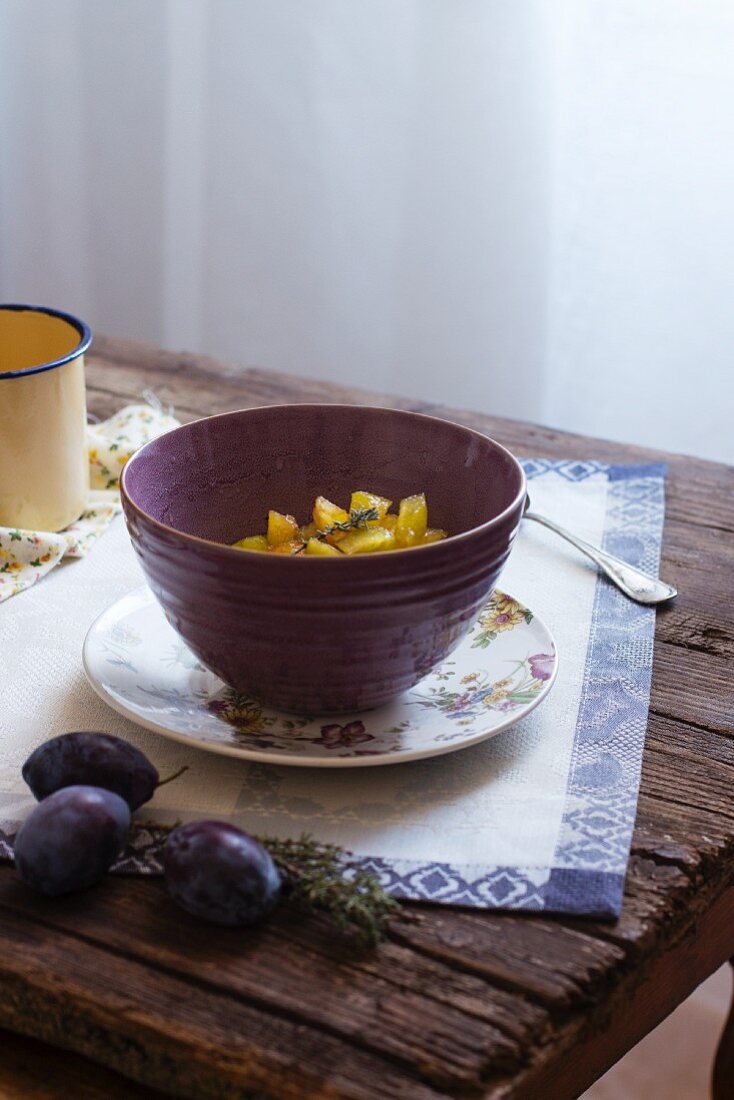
pixel 454 1003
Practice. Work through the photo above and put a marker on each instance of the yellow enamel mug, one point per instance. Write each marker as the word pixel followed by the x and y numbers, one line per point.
pixel 44 466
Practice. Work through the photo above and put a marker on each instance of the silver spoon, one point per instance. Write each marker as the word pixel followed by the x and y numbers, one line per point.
pixel 633 582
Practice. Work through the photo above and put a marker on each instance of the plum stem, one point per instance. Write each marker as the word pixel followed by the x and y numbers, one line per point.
pixel 162 782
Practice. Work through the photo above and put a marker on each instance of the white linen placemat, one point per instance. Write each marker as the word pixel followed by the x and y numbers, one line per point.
pixel 538 818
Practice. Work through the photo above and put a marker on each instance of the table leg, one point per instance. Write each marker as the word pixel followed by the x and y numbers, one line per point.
pixel 722 1082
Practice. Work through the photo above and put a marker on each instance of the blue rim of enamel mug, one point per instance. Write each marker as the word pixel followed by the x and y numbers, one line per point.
pixel 85 334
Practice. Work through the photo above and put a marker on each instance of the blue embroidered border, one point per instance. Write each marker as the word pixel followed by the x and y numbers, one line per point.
pixel 592 851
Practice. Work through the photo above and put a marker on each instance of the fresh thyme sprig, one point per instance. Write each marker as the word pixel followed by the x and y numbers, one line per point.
pixel 315 879
pixel 359 518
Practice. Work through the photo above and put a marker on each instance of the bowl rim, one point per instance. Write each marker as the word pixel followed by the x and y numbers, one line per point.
pixel 275 559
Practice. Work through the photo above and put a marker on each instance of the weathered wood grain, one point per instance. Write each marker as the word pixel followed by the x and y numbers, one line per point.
pixel 454 1004
pixel 32 1070
pixel 631 1009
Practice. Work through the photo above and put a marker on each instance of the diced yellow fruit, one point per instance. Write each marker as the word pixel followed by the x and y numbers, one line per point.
pixel 433 534
pixel 354 535
pixel 293 546
pixel 325 513
pixel 367 540
pixel 252 542
pixel 361 500
pixel 281 528
pixel 317 546
pixel 412 521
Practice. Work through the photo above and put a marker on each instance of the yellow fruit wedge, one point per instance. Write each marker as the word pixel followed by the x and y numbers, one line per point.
pixel 412 521
pixel 362 500
pixel 389 521
pixel 293 546
pixel 367 541
pixel 252 542
pixel 281 528
pixel 433 534
pixel 325 513
pixel 316 546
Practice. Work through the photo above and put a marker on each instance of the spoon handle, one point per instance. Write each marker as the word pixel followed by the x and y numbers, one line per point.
pixel 633 582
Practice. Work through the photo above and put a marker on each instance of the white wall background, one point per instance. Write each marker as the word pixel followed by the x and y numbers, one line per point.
pixel 523 206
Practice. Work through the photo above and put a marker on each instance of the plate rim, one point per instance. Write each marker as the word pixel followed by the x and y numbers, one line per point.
pixel 262 756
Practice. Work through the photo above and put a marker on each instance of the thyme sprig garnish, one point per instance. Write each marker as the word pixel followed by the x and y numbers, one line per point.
pixel 359 518
pixel 316 880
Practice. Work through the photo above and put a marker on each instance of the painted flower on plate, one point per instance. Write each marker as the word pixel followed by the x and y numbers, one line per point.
pixel 240 711
pixel 501 613
pixel 338 737
pixel 481 694
pixel 494 697
pixel 542 665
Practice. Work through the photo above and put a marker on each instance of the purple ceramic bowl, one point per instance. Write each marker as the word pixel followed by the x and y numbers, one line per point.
pixel 319 635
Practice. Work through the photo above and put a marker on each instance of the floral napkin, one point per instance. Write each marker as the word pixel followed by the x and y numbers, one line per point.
pixel 26 556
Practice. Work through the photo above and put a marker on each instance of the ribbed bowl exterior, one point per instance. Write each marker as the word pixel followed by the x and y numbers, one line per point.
pixel 323 635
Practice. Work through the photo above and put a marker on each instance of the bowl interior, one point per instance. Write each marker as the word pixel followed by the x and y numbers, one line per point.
pixel 216 478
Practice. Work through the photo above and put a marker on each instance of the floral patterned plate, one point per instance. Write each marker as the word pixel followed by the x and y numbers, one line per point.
pixel 505 666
